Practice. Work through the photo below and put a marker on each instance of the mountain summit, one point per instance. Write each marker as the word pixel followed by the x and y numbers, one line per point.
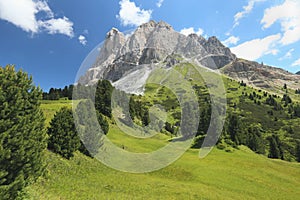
pixel 127 60
pixel 151 44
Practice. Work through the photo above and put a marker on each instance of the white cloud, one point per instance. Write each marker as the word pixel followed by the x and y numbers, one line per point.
pixel 296 63
pixel 188 31
pixel 22 13
pixel 288 14
pixel 274 52
pixel 231 40
pixel 246 10
pixel 82 40
pixel 288 55
pixel 254 49
pixel 60 25
pixel 159 3
pixel 131 15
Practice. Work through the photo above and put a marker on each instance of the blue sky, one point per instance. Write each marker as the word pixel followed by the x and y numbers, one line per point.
pixel 50 39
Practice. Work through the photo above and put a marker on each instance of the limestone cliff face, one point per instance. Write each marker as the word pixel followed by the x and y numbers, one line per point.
pixel 127 60
pixel 150 44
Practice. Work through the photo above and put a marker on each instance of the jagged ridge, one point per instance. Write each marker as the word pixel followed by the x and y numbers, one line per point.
pixel 127 60
pixel 150 44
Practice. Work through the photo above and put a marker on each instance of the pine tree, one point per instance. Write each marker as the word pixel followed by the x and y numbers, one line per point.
pixel 254 138
pixel 90 126
pixel 234 128
pixel 103 97
pixel 63 138
pixel 274 149
pixel 22 134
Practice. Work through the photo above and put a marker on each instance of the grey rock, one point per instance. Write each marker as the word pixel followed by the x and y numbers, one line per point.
pixel 260 75
pixel 153 43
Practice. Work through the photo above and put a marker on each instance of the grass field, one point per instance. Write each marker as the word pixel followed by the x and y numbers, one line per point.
pixel 240 174
pixel 51 107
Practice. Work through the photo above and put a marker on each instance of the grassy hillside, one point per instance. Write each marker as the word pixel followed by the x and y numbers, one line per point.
pixel 241 174
pixel 51 107
pixel 236 174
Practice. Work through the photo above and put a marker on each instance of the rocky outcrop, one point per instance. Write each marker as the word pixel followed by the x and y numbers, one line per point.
pixel 153 43
pixel 261 76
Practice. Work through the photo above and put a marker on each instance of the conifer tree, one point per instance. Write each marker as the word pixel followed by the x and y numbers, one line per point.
pixel 22 134
pixel 63 138
pixel 103 97
pixel 90 127
pixel 274 149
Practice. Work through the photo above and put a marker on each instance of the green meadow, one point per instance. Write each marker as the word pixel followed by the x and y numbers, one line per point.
pixel 237 174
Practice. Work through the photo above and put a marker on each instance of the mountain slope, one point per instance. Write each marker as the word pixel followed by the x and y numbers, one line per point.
pixel 152 45
pixel 240 174
pixel 261 76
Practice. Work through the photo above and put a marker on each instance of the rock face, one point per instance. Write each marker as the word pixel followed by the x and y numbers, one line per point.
pixel 152 44
pixel 261 76
pixel 298 73
pixel 127 60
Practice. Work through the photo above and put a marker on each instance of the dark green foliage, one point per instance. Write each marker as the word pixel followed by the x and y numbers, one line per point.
pixel 146 118
pixel 91 126
pixel 286 99
pixel 198 141
pixel 234 128
pixel 274 147
pixel 103 97
pixel 255 140
pixel 139 110
pixel 63 138
pixel 102 122
pixel 204 120
pixel 169 127
pixel 298 151
pixel 296 109
pixel 22 134
pixel 243 84
pixel 57 93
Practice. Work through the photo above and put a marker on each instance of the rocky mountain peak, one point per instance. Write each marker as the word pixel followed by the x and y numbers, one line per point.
pixel 153 24
pixel 214 41
pixel 150 24
pixel 112 32
pixel 149 46
pixel 163 24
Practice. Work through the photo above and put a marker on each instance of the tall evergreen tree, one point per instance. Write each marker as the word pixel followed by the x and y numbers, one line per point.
pixel 234 129
pixel 103 97
pixel 90 127
pixel 63 138
pixel 274 149
pixel 254 139
pixel 22 134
